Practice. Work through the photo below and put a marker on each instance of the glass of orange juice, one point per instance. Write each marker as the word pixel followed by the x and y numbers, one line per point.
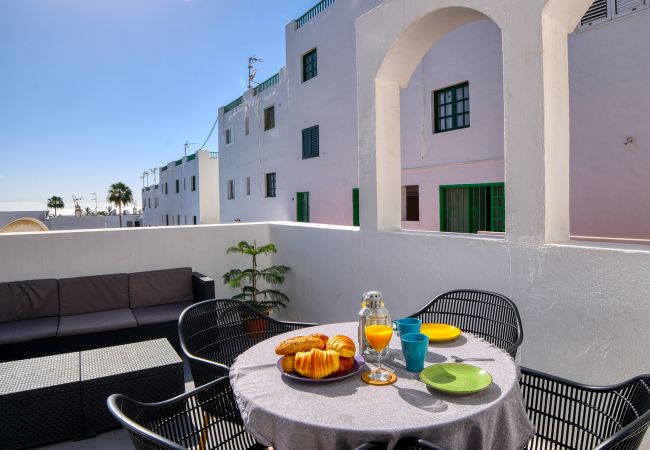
pixel 379 330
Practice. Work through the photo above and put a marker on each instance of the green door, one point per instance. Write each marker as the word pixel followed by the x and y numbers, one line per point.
pixel 469 208
pixel 302 204
pixel 355 207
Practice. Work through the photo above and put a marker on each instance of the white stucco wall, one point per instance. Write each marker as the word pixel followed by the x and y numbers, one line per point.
pixel 61 254
pixel 609 70
pixel 584 308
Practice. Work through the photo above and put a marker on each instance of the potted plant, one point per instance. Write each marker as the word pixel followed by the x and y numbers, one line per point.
pixel 248 280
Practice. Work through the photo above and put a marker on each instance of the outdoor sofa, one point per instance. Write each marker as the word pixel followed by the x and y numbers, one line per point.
pixel 50 316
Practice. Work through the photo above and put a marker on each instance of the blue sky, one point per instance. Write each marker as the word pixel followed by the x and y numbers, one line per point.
pixel 97 91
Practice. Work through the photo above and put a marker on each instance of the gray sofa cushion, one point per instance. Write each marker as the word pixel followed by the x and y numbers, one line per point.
pixel 23 300
pixel 160 287
pixel 28 330
pixel 160 313
pixel 83 295
pixel 96 322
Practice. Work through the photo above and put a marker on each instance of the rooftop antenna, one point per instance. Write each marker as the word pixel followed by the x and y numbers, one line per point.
pixel 252 71
pixel 145 174
pixel 94 197
pixel 153 172
pixel 187 144
pixel 142 178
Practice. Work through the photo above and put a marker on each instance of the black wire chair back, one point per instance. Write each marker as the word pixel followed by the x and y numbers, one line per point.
pixel 570 415
pixel 214 332
pixel 408 443
pixel 206 418
pixel 491 316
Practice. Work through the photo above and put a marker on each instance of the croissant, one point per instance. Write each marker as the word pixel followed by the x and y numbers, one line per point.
pixel 345 365
pixel 316 364
pixel 299 344
pixel 343 345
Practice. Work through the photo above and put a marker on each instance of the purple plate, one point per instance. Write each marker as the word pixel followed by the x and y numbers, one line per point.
pixel 356 368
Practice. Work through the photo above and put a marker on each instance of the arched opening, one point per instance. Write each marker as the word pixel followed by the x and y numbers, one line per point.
pixel 535 104
pixel 444 107
pixel 24 225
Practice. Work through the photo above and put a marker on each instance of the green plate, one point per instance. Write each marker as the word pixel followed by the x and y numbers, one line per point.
pixel 454 378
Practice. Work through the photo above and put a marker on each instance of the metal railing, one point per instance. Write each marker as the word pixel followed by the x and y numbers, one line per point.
pixel 316 10
pixel 163 168
pixel 232 105
pixel 214 155
pixel 191 157
pixel 179 162
pixel 264 85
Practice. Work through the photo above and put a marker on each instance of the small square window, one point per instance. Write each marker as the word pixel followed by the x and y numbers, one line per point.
pixel 228 135
pixel 310 142
pixel 309 65
pixel 269 118
pixel 270 184
pixel 451 108
pixel 178 186
pixel 193 182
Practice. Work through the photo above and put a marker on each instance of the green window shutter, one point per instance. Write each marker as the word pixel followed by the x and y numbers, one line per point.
pixel 310 142
pixel 302 205
pixel 472 207
pixel 355 207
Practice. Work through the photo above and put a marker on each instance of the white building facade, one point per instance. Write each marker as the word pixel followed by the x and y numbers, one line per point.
pixel 187 192
pixel 290 146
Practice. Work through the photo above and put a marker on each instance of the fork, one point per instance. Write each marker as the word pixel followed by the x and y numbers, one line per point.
pixel 458 359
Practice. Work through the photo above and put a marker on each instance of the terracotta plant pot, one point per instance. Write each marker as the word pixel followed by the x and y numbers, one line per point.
pixel 255 325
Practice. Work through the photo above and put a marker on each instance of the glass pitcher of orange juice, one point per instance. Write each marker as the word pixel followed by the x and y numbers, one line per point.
pixel 372 304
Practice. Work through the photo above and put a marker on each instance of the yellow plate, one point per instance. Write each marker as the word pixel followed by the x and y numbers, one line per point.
pixel 440 332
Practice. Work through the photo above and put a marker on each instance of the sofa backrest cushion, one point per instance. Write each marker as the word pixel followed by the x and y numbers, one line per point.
pixel 22 300
pixel 160 287
pixel 82 295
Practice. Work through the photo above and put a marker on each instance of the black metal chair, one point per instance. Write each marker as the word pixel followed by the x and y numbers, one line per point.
pixel 408 443
pixel 214 332
pixel 206 418
pixel 491 316
pixel 417 444
pixel 575 416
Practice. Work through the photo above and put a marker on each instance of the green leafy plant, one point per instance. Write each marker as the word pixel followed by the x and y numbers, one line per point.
pixel 248 279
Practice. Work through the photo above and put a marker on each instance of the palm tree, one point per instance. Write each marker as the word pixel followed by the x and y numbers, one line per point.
pixel 120 194
pixel 55 202
pixel 88 211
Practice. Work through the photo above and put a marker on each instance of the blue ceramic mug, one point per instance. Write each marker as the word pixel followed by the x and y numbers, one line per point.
pixel 414 348
pixel 408 325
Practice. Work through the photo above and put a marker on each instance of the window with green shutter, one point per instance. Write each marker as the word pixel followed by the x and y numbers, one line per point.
pixel 355 207
pixel 269 118
pixel 310 144
pixel 309 65
pixel 470 208
pixel 270 184
pixel 451 108
pixel 302 207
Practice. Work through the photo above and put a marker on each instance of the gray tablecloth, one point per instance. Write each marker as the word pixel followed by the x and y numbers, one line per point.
pixel 290 414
